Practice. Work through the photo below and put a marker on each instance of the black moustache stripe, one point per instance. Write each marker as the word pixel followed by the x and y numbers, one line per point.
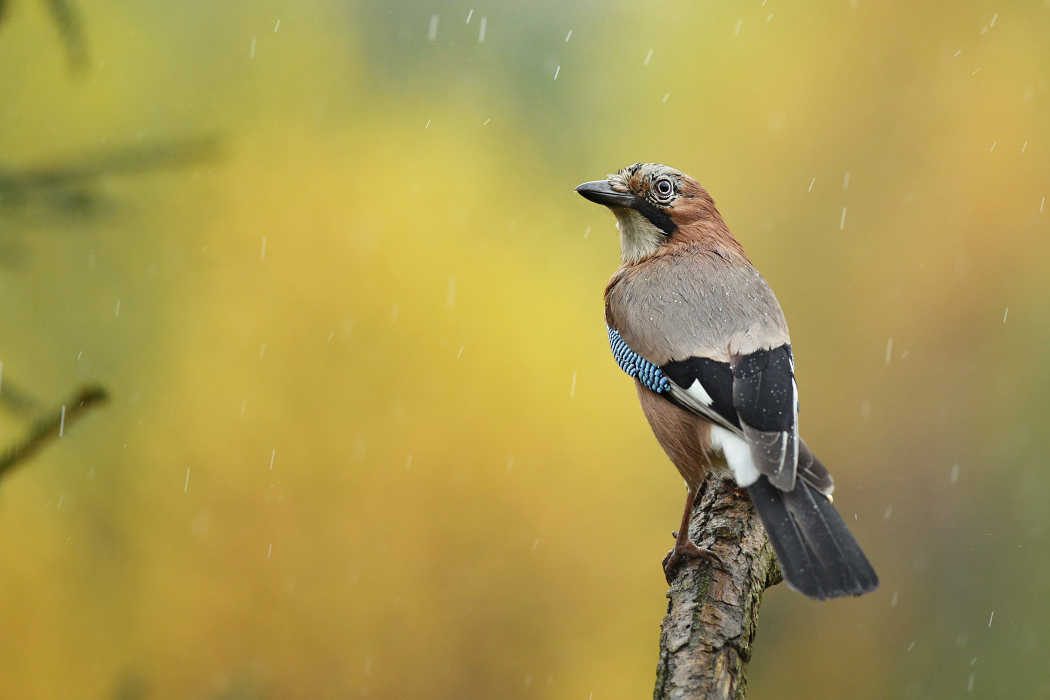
pixel 657 216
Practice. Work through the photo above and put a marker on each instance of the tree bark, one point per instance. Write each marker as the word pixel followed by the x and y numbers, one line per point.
pixel 712 617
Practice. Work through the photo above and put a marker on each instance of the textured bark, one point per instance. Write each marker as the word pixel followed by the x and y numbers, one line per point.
pixel 705 640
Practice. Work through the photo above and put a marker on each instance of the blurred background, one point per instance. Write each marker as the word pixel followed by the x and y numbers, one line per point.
pixel 365 434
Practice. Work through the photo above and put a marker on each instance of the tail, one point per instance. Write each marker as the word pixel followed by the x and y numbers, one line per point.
pixel 818 555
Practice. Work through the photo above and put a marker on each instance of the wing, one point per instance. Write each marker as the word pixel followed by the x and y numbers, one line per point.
pixel 748 400
pixel 757 399
pixel 689 384
pixel 766 400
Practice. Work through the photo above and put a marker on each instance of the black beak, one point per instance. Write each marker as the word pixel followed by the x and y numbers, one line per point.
pixel 601 192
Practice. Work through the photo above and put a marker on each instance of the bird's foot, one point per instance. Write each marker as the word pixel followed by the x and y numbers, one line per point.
pixel 685 548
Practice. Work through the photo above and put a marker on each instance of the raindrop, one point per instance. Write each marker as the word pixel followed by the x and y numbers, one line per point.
pixel 251 51
pixel 186 486
pixel 272 456
pixel 568 36
pixel 842 222
pixel 572 390
pixel 811 182
pixel 432 34
pixel 450 293
pixel 845 183
pixel 666 95
pixel 481 32
pixel 738 23
pixel 648 56
pixel 955 474
pixel 469 15
pixel 889 350
pixel 276 26
pixel 62 422
pixel 556 71
pixel 262 253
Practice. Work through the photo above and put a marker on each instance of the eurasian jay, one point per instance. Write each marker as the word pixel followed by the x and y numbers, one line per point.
pixel 699 329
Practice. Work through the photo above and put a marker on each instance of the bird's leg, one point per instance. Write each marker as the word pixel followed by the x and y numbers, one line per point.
pixel 684 547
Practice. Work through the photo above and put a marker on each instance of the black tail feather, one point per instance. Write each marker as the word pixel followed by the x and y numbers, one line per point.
pixel 818 555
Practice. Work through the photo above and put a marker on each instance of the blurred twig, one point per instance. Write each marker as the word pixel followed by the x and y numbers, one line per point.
pixel 66 184
pixel 67 17
pixel 129 159
pixel 14 399
pixel 51 426
pixel 706 637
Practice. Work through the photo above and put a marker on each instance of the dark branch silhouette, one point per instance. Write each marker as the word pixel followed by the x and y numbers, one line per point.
pixel 66 17
pixel 66 184
pixel 51 426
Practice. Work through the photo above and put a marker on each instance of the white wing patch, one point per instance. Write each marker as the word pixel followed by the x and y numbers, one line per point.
pixel 737 453
pixel 697 391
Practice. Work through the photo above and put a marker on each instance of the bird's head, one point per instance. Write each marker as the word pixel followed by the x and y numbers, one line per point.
pixel 653 205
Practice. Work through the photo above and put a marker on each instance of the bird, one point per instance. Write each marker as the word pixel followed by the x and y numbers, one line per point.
pixel 706 341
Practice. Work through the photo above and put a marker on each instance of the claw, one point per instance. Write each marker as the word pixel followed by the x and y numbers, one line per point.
pixel 684 547
pixel 687 550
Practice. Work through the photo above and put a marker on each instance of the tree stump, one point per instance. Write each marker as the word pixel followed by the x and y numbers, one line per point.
pixel 712 617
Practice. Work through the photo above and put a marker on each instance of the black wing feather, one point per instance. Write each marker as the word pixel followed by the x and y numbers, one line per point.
pixel 764 389
pixel 715 377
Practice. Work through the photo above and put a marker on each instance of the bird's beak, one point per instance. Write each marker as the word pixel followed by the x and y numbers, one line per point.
pixel 601 191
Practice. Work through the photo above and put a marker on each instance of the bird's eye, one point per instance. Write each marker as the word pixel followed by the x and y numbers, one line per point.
pixel 664 188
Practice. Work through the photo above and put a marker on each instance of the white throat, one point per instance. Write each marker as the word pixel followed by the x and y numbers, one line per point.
pixel 639 238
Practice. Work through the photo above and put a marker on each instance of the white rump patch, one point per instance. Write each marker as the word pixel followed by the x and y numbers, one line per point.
pixel 737 453
pixel 697 392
